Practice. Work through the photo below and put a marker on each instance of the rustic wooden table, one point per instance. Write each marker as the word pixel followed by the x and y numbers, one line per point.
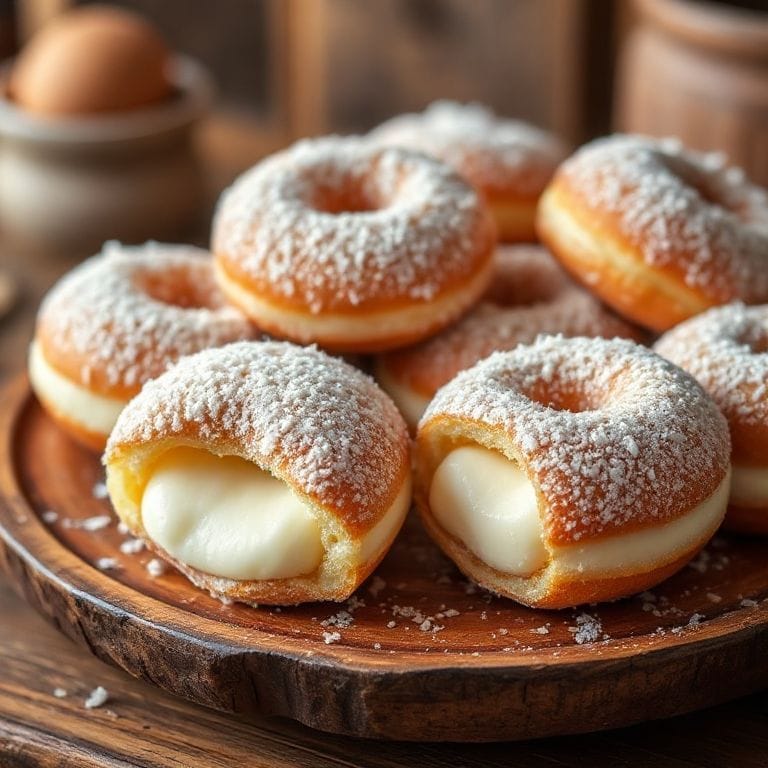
pixel 142 726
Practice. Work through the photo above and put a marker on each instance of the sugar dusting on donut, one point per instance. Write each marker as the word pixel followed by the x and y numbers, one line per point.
pixel 629 458
pixel 726 350
pixel 680 208
pixel 100 314
pixel 421 229
pixel 490 151
pixel 323 423
pixel 542 300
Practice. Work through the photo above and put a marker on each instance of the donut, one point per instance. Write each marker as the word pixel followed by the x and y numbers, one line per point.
pixel 117 320
pixel 264 472
pixel 572 470
pixel 658 232
pixel 355 247
pixel 509 162
pixel 726 350
pixel 529 295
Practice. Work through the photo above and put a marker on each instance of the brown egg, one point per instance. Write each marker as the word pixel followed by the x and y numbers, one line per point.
pixel 91 60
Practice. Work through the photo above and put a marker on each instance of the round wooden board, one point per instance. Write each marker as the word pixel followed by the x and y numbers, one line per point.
pixel 418 654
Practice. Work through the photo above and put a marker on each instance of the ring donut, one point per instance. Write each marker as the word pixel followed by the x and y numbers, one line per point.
pixel 572 470
pixel 726 350
pixel 355 247
pixel 509 162
pixel 530 295
pixel 265 472
pixel 118 320
pixel 658 232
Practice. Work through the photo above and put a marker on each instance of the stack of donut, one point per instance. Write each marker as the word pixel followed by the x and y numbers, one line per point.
pixel 506 295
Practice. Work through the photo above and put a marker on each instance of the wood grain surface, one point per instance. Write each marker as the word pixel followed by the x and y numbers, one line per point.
pixel 418 654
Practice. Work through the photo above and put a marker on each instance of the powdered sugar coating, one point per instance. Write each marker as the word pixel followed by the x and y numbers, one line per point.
pixel 530 295
pixel 493 153
pixel 726 350
pixel 680 209
pixel 336 223
pixel 646 444
pixel 101 326
pixel 311 419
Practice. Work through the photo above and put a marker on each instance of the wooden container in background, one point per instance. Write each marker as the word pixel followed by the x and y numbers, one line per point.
pixel 699 71
pixel 67 185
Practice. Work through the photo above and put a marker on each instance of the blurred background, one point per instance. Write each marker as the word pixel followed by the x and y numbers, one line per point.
pixel 284 69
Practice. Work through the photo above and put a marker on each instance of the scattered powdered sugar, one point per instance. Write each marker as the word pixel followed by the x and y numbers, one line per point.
pixel 90 524
pixel 726 350
pixel 748 603
pixel 60 693
pixel 49 516
pixel 132 546
pixel 530 295
pixel 100 491
pixel 579 459
pixel 679 208
pixel 155 567
pixel 331 637
pixel 107 563
pixel 489 151
pixel 312 419
pixel 408 227
pixel 542 630
pixel 129 312
pixel 588 629
pixel 98 697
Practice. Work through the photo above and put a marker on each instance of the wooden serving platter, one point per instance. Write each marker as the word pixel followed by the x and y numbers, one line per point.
pixel 418 654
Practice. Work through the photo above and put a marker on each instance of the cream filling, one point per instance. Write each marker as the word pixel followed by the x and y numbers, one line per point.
pixel 229 518
pixel 749 486
pixel 410 403
pixel 650 547
pixel 487 502
pixel 94 413
pixel 343 329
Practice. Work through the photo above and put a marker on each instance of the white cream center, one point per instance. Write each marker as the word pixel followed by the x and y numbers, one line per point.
pixel 749 486
pixel 95 413
pixel 228 518
pixel 488 503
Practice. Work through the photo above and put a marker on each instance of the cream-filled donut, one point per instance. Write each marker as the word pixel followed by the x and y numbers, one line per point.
pixel 355 247
pixel 530 295
pixel 658 232
pixel 509 162
pixel 726 350
pixel 118 320
pixel 265 472
pixel 572 470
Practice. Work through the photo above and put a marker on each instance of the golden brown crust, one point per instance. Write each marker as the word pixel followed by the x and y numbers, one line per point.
pixel 552 588
pixel 529 296
pixel 312 421
pixel 724 349
pixel 120 318
pixel 613 437
pixel 338 227
pixel 658 232
pixel 656 298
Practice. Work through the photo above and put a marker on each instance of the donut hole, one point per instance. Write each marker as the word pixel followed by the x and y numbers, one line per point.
pixel 705 183
pixel 558 397
pixel 338 202
pixel 180 287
